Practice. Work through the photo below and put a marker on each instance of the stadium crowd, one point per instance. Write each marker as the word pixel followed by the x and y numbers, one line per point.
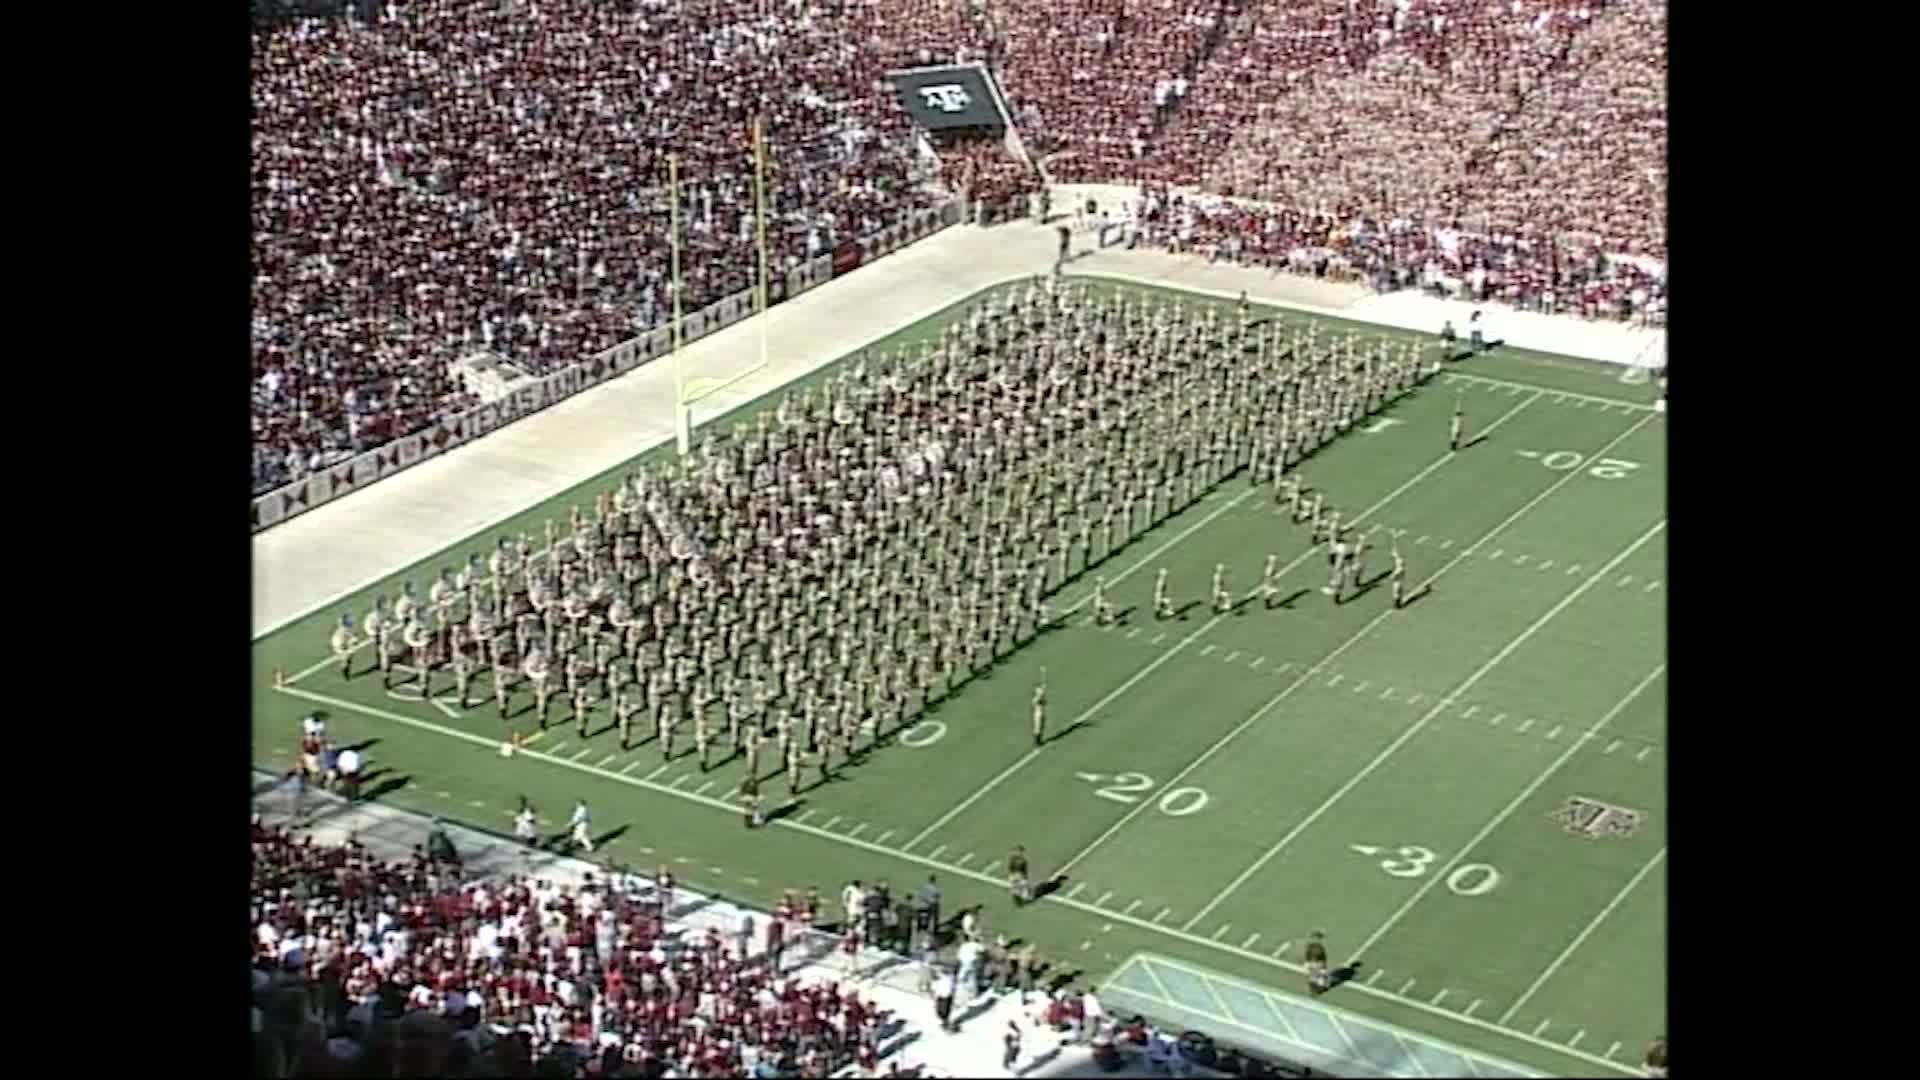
pixel 493 176
pixel 364 968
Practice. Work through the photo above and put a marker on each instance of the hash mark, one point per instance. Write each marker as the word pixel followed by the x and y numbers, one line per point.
pixel 602 763
pixel 1335 681
pixel 1497 552
pixel 1579 403
pixel 1206 649
pixel 808 814
pixel 883 836
pixel 584 751
pixel 1471 709
pixel 1361 687
pixel 1130 907
pixel 1545 565
pixel 681 779
pixel 702 789
pixel 1470 1008
pixel 1421 540
pixel 937 851
pixel 1231 656
pixel 656 772
pixel 1574 569
pixel 1387 694
pixel 475 802
pixel 1075 891
pixel 990 868
pixel 1519 560
pixel 1497 717
pixel 1577 1036
pixel 1416 699
pixel 1612 1050
pixel 1248 944
pixel 1157 639
pixel 1222 932
pixel 1257 661
pixel 1445 543
pixel 1438 996
pixel 1642 755
pixel 1543 1026
pixel 1525 724
pixel 1555 733
pixel 856 830
pixel 1283 668
pixel 631 765
pixel 1102 902
pixel 1651 585
pixel 1624 581
pixel 965 859
pixel 1611 747
pixel 1409 986
pixel 831 822
pixel 1281 951
pixel 1133 631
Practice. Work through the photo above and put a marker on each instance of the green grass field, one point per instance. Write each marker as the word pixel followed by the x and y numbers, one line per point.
pixel 1222 786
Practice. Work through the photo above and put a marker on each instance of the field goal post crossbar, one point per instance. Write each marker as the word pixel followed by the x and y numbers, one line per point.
pixel 685 398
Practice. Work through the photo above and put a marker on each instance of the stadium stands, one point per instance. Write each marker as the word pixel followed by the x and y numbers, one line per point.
pixel 492 175
pixel 365 967
pixel 495 175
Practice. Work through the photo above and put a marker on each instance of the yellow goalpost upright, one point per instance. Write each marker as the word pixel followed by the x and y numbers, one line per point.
pixel 683 400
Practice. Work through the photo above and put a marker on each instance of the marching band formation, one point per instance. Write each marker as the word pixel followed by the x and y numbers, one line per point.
pixel 803 586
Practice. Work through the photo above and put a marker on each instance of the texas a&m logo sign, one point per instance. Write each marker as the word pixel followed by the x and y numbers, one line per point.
pixel 951 96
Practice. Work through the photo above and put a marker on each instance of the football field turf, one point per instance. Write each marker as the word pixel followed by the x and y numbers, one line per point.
pixel 1216 787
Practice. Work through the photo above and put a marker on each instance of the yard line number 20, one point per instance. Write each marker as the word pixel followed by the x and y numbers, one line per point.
pixel 1127 787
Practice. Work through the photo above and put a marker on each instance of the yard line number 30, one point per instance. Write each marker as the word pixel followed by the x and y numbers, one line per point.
pixel 1467 879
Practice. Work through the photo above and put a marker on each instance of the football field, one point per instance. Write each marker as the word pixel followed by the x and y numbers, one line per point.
pixel 1466 794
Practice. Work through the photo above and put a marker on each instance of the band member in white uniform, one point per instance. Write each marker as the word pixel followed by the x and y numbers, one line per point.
pixel 581 826
pixel 343 645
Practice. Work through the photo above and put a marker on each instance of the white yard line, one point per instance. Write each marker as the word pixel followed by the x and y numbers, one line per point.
pixel 1506 812
pixel 1584 934
pixel 1026 759
pixel 1095 909
pixel 1438 708
pixel 1358 636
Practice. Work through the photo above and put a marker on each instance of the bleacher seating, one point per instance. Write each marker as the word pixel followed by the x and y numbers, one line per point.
pixel 372 968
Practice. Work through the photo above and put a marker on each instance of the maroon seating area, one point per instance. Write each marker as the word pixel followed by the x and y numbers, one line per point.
pixel 513 979
pixel 463 175
pixel 455 176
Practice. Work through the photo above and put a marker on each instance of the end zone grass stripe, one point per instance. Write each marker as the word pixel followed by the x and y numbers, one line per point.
pixel 950 868
pixel 1308 674
pixel 1024 760
pixel 1506 812
pixel 1439 707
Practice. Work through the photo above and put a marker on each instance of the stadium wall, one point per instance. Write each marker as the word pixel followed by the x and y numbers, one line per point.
pixel 326 484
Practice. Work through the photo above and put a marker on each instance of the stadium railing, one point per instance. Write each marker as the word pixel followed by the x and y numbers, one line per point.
pixel 328 483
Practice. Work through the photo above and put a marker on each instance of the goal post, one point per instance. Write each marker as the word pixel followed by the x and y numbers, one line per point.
pixel 687 395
